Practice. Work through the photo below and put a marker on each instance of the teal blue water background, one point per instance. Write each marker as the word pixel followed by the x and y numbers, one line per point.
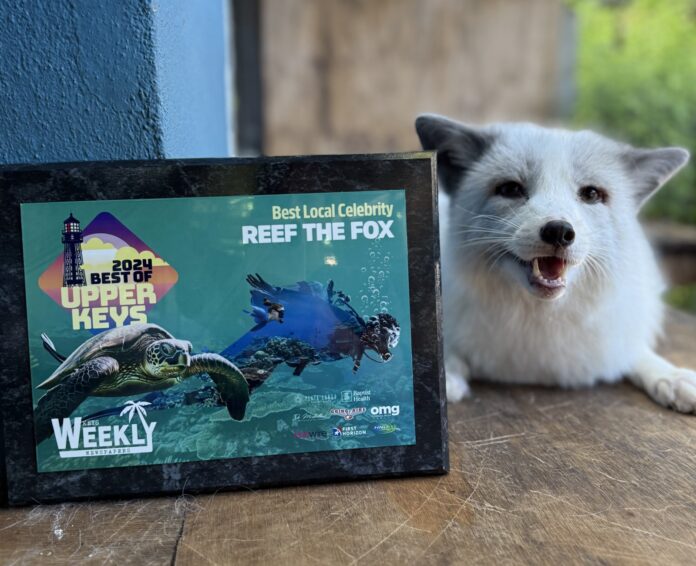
pixel 201 239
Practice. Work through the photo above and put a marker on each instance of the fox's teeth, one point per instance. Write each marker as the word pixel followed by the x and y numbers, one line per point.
pixel 535 268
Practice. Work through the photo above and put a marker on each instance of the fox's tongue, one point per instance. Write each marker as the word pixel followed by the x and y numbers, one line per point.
pixel 549 267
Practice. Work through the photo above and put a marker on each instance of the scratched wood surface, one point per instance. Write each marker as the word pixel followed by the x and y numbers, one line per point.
pixel 538 476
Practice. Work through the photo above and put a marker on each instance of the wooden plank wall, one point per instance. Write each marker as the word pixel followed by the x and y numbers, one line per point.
pixel 351 75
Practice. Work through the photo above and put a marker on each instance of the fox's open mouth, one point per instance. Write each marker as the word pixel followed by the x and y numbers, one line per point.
pixel 543 276
pixel 548 272
pixel 546 275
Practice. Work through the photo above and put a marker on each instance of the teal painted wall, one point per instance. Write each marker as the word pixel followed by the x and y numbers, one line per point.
pixel 194 77
pixel 96 80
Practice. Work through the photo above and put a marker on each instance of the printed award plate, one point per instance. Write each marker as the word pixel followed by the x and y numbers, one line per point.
pixel 209 324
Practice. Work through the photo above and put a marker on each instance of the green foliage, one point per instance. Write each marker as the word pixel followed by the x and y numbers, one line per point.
pixel 636 80
pixel 682 297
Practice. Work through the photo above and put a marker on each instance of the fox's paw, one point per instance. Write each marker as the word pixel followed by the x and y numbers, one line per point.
pixel 457 373
pixel 667 384
pixel 675 389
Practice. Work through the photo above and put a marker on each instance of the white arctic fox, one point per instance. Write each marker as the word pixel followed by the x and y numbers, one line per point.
pixel 547 275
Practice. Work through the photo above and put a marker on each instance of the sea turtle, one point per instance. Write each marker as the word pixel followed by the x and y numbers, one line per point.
pixel 131 360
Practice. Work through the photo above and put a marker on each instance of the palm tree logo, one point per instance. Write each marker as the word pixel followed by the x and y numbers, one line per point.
pixel 131 409
pixel 135 407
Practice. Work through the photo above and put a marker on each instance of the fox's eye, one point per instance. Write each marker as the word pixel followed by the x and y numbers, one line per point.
pixel 510 189
pixel 592 194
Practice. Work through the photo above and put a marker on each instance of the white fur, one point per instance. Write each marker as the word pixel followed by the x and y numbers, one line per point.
pixel 605 325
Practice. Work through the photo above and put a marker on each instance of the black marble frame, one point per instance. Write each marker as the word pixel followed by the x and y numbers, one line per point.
pixel 414 172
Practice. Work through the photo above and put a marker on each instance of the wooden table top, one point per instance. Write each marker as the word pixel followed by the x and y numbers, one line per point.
pixel 538 475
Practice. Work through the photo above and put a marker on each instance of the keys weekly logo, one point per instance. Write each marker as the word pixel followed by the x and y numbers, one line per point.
pixel 106 276
pixel 76 439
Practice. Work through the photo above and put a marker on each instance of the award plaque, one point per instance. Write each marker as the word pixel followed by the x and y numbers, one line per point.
pixel 216 324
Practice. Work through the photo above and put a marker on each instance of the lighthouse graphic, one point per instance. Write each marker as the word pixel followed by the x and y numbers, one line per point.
pixel 73 274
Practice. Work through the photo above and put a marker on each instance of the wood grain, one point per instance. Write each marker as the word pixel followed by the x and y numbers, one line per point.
pixel 538 476
pixel 351 75
pixel 124 532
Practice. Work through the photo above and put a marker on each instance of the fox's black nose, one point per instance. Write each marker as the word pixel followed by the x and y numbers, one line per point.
pixel 558 233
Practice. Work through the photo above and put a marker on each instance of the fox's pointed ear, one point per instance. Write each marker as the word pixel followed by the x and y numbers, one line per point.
pixel 652 168
pixel 458 146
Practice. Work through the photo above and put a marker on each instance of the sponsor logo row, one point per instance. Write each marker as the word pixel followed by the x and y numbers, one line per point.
pixel 346 431
pixel 347 396
pixel 378 411
pixel 354 396
pixel 349 413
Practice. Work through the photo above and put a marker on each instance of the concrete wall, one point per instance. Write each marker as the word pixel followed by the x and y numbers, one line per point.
pixel 128 79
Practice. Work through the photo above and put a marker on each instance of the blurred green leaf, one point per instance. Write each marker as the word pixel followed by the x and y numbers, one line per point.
pixel 682 297
pixel 636 78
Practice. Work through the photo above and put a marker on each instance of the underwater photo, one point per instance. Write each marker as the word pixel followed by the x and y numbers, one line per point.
pixel 283 337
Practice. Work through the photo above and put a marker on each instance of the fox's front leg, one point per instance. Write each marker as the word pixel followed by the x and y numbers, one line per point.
pixel 457 374
pixel 667 384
